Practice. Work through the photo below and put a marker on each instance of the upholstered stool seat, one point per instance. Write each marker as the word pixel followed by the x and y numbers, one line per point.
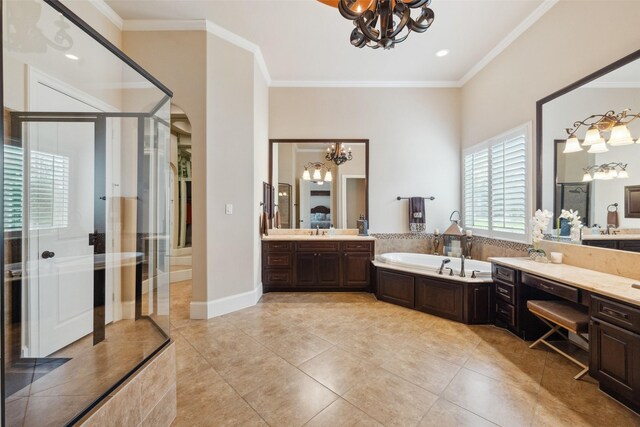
pixel 562 315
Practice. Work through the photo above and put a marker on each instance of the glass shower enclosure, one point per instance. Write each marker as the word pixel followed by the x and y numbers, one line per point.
pixel 86 215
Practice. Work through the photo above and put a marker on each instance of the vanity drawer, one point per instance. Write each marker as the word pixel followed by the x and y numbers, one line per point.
pixel 277 246
pixel 619 314
pixel 506 292
pixel 563 291
pixel 277 277
pixel 357 246
pixel 277 260
pixel 318 246
pixel 506 313
pixel 504 274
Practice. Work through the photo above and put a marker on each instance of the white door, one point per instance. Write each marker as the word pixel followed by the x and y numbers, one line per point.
pixel 59 187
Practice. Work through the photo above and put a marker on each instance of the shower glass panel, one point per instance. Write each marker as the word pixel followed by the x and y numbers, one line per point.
pixel 86 198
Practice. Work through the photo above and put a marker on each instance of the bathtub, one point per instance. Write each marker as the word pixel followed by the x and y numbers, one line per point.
pixel 431 263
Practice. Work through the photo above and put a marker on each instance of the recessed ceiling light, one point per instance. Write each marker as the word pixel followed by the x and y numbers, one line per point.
pixel 72 57
pixel 441 53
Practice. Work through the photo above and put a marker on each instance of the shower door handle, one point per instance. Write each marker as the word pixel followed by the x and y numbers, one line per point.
pixel 48 254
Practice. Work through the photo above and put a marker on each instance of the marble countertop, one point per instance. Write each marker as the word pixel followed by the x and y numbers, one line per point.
pixel 609 285
pixel 306 237
pixel 611 237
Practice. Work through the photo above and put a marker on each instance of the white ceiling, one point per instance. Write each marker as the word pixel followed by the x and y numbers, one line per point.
pixel 304 42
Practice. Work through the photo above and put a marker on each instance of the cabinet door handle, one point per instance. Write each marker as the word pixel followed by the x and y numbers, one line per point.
pixel 615 313
pixel 503 291
pixel 545 287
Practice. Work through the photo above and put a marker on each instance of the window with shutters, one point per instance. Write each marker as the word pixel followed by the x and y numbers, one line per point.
pixel 496 195
pixel 49 190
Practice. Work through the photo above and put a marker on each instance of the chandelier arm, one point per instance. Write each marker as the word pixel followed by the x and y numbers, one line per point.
pixel 426 14
pixel 346 12
pixel 364 28
pixel 405 16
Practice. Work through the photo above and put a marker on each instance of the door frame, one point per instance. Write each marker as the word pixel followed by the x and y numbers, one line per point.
pixel 343 196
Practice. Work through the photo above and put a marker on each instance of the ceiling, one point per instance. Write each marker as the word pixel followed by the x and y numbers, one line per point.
pixel 306 43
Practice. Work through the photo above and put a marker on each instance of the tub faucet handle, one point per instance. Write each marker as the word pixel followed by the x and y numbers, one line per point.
pixel 444 261
pixel 473 274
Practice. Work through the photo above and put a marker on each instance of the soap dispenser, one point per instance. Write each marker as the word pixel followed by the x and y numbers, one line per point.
pixel 363 226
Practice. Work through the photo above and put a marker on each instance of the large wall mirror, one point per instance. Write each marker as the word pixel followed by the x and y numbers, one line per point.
pixel 589 155
pixel 320 183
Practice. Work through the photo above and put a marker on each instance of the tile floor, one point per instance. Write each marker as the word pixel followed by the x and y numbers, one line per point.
pixel 350 360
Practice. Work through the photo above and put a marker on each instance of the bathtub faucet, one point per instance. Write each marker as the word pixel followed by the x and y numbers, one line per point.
pixel 444 261
pixel 462 266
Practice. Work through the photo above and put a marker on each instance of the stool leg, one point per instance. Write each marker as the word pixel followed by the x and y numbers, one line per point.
pixel 582 373
pixel 553 330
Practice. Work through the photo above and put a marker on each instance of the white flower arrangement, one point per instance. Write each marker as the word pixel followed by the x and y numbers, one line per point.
pixel 539 223
pixel 574 219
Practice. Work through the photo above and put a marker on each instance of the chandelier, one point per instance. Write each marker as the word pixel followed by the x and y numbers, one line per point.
pixel 615 124
pixel 384 23
pixel 338 155
pixel 605 171
pixel 317 173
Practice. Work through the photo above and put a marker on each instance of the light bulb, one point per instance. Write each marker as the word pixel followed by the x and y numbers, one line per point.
pixel 623 174
pixel 572 145
pixel 592 136
pixel 620 135
pixel 320 182
pixel 305 175
pixel 599 175
pixel 599 147
pixel 612 173
pixel 587 177
pixel 328 177
pixel 316 174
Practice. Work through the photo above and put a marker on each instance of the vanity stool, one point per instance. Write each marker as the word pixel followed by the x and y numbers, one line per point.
pixel 562 315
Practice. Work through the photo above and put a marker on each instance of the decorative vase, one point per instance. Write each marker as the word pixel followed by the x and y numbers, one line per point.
pixel 575 234
pixel 565 227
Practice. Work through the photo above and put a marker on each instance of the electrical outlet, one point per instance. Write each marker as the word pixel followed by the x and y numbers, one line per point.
pixel 228 209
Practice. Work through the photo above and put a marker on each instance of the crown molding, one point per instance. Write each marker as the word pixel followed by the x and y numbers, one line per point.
pixel 364 84
pixel 612 85
pixel 109 13
pixel 223 33
pixel 510 38
pixel 202 25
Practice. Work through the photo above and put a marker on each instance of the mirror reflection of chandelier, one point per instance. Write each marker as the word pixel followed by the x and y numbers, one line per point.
pixel 605 171
pixel 318 168
pixel 338 155
pixel 615 124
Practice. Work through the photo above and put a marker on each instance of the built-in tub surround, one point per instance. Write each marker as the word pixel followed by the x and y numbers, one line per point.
pixel 430 265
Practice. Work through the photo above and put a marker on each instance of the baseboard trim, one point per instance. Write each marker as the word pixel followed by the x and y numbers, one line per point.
pixel 218 307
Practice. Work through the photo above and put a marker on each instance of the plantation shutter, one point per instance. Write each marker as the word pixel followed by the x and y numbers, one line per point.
pixel 49 192
pixel 12 188
pixel 508 185
pixel 476 190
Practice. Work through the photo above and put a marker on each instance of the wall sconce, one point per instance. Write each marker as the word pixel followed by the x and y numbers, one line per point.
pixel 317 173
pixel 611 122
pixel 605 171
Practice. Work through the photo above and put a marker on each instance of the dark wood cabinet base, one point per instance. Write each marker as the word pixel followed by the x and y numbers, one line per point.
pixel 451 299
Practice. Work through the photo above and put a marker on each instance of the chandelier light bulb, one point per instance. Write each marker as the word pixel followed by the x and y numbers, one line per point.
pixel 328 176
pixel 305 175
pixel 620 135
pixel 598 147
pixel 572 145
pixel 592 137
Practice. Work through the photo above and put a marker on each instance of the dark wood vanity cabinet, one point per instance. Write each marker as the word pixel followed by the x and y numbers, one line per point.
pixel 620 244
pixel 455 300
pixel 316 265
pixel 614 357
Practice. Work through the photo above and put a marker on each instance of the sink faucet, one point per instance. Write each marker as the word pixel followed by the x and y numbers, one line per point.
pixel 609 227
pixel 462 266
pixel 444 261
pixel 317 230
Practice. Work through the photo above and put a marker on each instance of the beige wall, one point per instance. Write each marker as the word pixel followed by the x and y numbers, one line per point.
pixel 159 52
pixel 556 51
pixel 414 142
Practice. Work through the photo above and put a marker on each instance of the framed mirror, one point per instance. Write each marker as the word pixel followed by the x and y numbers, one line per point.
pixel 588 154
pixel 322 183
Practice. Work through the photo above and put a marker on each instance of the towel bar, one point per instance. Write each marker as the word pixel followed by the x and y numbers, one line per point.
pixel 407 198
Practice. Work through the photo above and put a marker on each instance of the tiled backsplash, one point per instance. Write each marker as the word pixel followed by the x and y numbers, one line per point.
pixel 482 247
